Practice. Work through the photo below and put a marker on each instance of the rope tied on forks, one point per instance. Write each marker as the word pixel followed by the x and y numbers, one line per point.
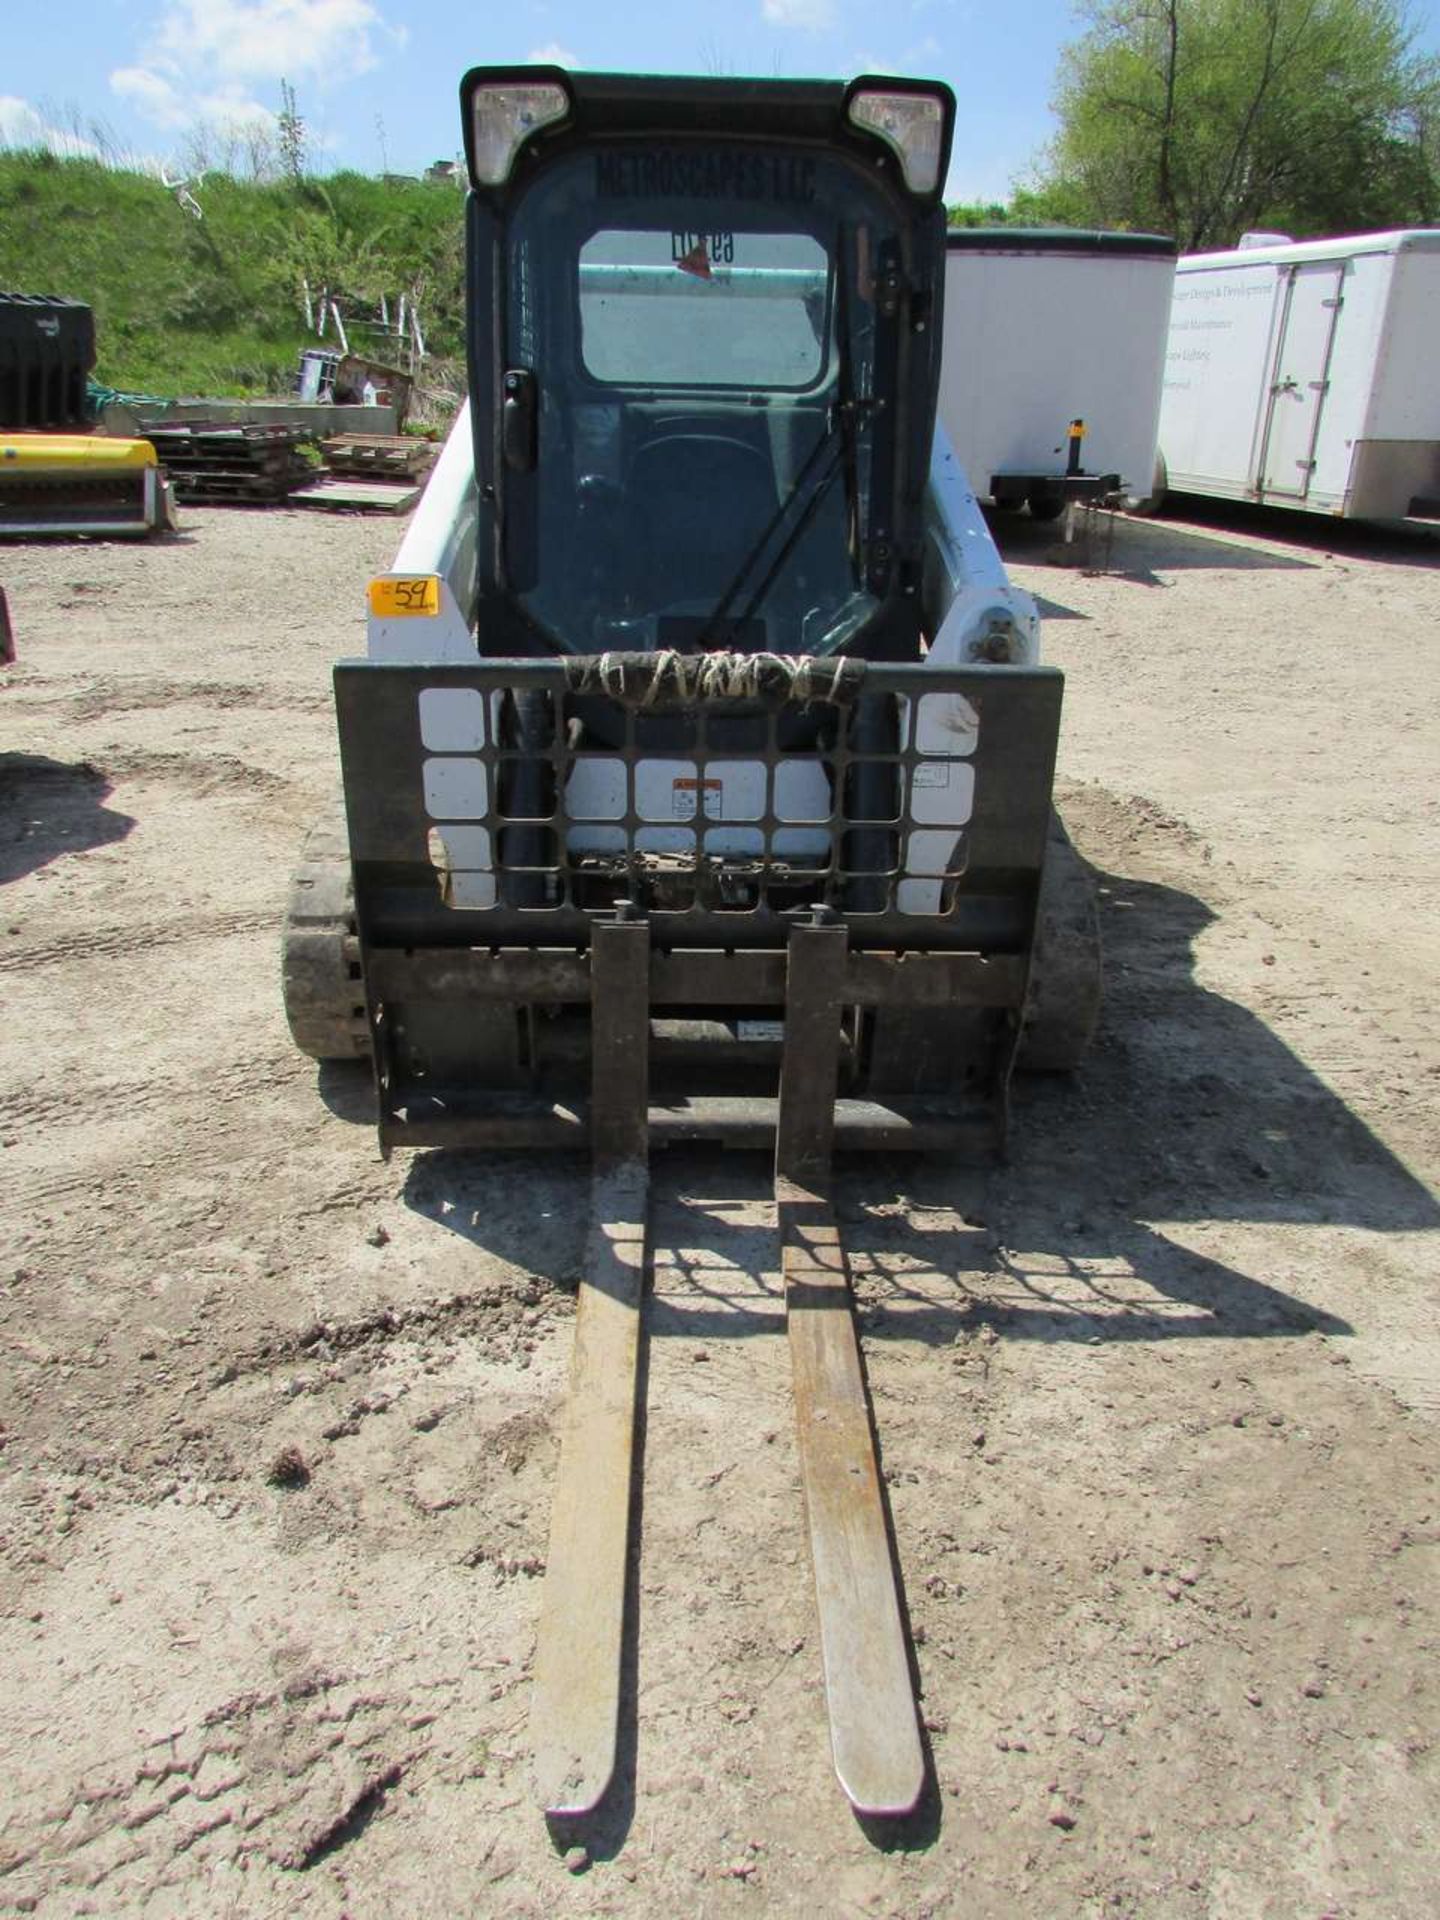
pixel 668 679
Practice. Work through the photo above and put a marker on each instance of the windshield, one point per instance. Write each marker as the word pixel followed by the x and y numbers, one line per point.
pixel 704 309
pixel 700 327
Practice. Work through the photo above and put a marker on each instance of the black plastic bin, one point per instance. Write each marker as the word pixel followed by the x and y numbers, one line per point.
pixel 47 348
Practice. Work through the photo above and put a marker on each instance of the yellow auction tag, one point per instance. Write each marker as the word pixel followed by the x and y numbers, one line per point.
pixel 389 598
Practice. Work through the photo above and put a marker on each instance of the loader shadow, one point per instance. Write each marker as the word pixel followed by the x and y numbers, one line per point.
pixel 530 1210
pixel 49 808
pixel 347 1088
pixel 1190 1108
pixel 1053 609
pixel 1194 1108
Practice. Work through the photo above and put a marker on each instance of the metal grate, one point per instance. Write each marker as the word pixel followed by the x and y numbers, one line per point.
pixel 537 790
pixel 540 799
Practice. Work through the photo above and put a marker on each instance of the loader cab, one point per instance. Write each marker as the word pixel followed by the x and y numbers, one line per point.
pixel 704 357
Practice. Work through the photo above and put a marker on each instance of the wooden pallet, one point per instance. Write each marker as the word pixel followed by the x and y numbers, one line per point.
pixel 218 484
pixel 355 496
pixel 397 455
pixel 216 461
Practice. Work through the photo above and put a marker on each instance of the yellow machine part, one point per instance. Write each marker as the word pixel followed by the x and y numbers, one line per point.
pixel 81 483
pixel 77 453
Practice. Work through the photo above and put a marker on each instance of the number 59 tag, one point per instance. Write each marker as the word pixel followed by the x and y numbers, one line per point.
pixel 394 597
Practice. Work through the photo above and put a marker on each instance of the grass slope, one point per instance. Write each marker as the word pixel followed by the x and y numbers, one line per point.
pixel 213 306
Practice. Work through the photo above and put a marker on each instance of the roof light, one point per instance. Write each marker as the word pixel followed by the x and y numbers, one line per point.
pixel 506 115
pixel 913 124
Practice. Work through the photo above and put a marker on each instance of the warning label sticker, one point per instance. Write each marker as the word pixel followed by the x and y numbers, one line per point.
pixel 687 792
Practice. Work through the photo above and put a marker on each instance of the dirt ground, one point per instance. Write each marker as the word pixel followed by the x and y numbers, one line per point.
pixel 1157 1400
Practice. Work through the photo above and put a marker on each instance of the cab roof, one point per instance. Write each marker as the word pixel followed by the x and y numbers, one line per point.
pixel 605 105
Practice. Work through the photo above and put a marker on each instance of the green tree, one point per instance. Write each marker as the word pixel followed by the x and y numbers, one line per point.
pixel 1202 118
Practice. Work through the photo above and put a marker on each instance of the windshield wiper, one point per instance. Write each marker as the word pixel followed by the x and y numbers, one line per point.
pixel 848 420
pixel 838 439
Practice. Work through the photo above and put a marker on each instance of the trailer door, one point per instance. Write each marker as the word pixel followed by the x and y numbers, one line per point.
pixel 1297 391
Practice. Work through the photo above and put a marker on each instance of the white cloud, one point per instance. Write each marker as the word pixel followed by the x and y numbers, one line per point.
pixel 814 16
pixel 151 93
pixel 171 106
pixel 22 125
pixel 917 60
pixel 552 55
pixel 268 39
pixel 205 60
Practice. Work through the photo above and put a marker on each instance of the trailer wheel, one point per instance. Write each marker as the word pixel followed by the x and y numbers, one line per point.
pixel 1154 501
pixel 1044 505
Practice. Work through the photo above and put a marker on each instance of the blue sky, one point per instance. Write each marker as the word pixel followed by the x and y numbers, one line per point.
pixel 375 80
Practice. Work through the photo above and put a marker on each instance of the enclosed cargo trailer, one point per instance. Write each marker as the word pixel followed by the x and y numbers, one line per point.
pixel 1054 347
pixel 1304 374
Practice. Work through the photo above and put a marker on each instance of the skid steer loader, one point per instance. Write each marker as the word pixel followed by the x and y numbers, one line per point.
pixel 698 774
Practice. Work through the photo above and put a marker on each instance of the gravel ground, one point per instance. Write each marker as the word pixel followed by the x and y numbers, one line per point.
pixel 1157 1400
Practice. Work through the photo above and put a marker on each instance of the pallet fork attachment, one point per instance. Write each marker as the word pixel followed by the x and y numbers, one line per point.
pixel 874 1734
pixel 523 987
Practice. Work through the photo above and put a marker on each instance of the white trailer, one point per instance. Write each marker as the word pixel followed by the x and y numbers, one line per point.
pixel 1046 328
pixel 1305 374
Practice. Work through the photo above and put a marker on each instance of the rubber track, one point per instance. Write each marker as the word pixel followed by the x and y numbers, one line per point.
pixel 320 953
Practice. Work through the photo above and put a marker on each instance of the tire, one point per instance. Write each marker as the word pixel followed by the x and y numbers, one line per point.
pixel 1063 1003
pixel 1154 501
pixel 320 950
pixel 1044 506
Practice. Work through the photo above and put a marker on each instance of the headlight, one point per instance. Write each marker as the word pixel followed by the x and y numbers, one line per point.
pixel 505 115
pixel 913 124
